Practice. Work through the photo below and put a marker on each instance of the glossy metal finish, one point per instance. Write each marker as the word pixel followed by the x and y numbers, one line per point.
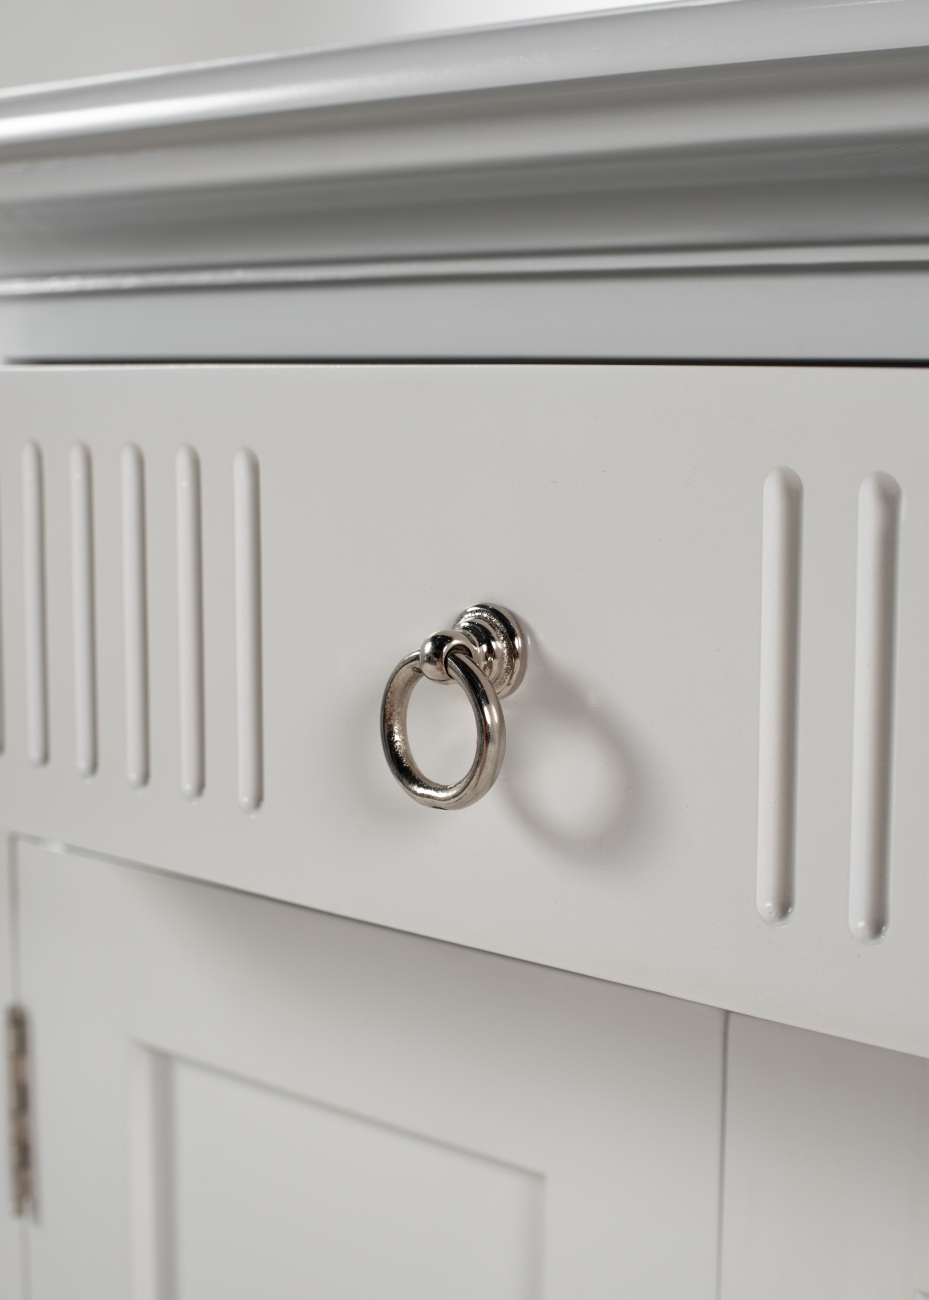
pixel 485 653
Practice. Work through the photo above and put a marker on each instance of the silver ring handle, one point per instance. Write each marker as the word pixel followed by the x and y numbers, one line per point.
pixel 485 654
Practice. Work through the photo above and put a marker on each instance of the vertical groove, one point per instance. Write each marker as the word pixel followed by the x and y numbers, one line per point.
pixel 2 673
pixel 82 611
pixel 34 613
pixel 782 513
pixel 248 629
pixel 135 617
pixel 190 620
pixel 872 742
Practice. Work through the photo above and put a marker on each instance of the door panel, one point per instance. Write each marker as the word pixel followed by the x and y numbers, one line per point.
pixel 826 1168
pixel 11 1228
pixel 272 1194
pixel 620 511
pixel 236 1097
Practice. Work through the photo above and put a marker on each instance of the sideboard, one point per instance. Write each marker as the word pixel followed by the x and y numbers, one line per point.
pixel 619 322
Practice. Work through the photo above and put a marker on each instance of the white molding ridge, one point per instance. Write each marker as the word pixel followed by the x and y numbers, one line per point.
pixel 698 262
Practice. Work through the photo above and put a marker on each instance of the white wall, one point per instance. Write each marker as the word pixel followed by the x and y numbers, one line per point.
pixel 52 40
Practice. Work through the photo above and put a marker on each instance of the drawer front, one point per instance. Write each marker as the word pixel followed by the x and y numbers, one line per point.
pixel 630 517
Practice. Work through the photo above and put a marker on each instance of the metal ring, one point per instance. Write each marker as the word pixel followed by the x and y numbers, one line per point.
pixel 487 642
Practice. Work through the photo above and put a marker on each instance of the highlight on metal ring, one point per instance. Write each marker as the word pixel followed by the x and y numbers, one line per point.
pixel 485 653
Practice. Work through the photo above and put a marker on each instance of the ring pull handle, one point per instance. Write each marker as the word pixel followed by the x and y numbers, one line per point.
pixel 485 653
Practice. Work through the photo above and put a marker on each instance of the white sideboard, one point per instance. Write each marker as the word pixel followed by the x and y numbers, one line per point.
pixel 619 322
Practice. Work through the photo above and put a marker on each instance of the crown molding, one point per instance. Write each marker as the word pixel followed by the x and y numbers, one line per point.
pixel 639 131
pixel 702 140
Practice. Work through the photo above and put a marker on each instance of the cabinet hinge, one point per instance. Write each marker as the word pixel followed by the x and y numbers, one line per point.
pixel 17 1052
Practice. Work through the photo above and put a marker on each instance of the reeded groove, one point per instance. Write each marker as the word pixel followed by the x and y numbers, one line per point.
pixel 248 633
pixel 135 616
pixel 190 620
pixel 872 743
pixel 2 672
pixel 782 514
pixel 34 608
pixel 83 620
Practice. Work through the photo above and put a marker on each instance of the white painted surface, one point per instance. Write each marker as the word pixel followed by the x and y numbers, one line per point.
pixel 11 1229
pixel 267 1099
pixel 782 513
pixel 826 1180
pixel 248 632
pixel 34 624
pixel 83 611
pixel 338 1202
pixel 764 312
pixel 4 633
pixel 872 739
pixel 190 620
pixel 135 616
pixel 619 512
pixel 552 189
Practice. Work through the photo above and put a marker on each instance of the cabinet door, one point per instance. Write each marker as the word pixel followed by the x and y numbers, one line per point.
pixel 826 1168
pixel 237 1098
pixel 12 1228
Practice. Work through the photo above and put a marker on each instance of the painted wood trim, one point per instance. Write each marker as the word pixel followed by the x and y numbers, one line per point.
pixel 782 516
pixel 248 635
pixel 690 34
pixel 83 610
pixel 664 134
pixel 879 510
pixel 190 621
pixel 35 615
pixel 135 616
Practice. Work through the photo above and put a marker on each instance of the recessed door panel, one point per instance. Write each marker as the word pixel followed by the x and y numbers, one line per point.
pixel 270 1193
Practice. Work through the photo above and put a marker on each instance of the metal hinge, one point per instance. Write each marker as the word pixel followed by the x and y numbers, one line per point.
pixel 17 1052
